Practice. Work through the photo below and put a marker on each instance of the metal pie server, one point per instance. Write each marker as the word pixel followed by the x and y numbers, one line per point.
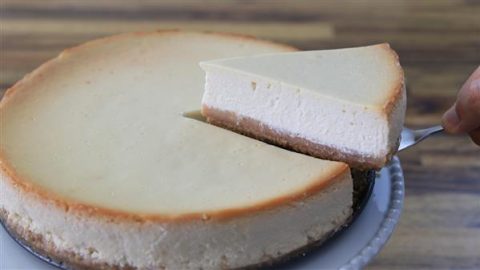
pixel 411 137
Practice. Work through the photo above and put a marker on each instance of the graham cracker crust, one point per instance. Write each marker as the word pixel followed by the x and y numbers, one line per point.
pixel 255 129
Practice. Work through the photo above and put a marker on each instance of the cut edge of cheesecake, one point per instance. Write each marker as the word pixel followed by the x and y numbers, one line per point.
pixel 391 109
pixel 341 172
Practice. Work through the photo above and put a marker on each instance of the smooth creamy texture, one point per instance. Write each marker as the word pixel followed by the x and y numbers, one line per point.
pixel 108 126
pixel 335 98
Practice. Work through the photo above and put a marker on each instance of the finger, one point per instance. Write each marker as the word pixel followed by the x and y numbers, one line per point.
pixel 450 120
pixel 464 116
pixel 475 136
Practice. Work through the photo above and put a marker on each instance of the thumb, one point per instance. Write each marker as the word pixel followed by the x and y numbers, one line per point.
pixel 464 115
pixel 450 120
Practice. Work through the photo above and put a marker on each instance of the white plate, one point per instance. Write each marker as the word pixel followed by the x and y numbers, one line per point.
pixel 353 248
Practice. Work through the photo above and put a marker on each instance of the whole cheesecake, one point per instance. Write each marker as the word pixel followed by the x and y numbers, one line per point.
pixel 100 166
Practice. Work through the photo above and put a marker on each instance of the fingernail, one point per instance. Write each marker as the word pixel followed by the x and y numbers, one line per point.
pixel 450 120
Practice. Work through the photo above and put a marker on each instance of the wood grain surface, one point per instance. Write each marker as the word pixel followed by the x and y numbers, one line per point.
pixel 439 46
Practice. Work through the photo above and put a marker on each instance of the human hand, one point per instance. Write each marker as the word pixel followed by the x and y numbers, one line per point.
pixel 464 116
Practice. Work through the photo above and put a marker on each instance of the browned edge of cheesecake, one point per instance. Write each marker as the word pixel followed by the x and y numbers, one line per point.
pixel 255 129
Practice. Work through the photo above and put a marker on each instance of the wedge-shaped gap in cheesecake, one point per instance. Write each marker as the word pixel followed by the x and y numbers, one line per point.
pixel 195 115
pixel 198 116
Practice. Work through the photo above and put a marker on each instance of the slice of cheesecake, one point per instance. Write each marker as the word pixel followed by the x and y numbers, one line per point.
pixel 344 104
pixel 100 169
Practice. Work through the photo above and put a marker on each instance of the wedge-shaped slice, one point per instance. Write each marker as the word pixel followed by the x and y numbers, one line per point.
pixel 344 104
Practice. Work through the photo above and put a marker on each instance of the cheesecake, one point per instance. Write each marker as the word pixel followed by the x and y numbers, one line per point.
pixel 102 165
pixel 344 104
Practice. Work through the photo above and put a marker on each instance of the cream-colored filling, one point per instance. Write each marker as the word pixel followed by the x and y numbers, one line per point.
pixel 348 127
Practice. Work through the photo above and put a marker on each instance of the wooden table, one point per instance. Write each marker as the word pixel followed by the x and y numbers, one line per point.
pixel 439 46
